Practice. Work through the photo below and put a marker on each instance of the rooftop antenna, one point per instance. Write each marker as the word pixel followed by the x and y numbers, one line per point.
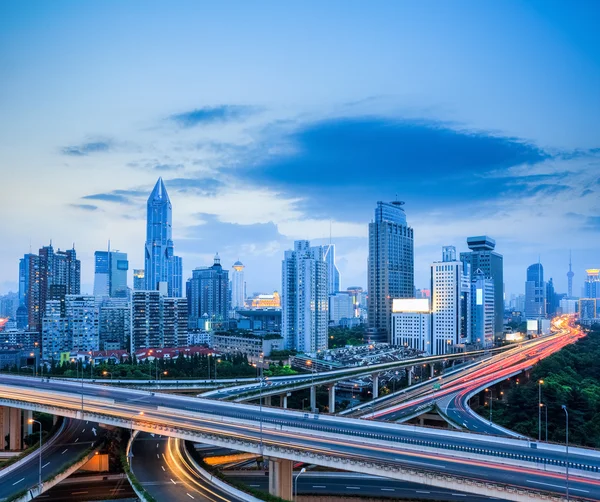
pixel 330 223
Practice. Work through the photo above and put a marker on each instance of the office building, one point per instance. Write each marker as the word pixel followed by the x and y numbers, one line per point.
pixel 208 295
pixel 591 286
pixel 333 274
pixel 24 264
pixel 359 301
pixel 110 273
pixel 551 300
pixel 390 266
pixel 482 256
pixel 238 286
pixel 482 310
pixel 569 306
pixel 411 324
pixel 161 265
pixel 139 280
pixel 264 301
pixel 304 298
pixel 48 269
pixel 588 310
pixel 535 292
pixel 114 323
pixel 450 306
pixel 341 306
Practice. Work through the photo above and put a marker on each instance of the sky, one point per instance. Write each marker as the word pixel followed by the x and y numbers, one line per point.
pixel 276 121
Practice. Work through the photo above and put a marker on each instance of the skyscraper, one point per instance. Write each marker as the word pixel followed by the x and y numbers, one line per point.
pixel 482 309
pixel 535 292
pixel 110 273
pixel 483 257
pixel 551 303
pixel 161 265
pixel 333 274
pixel 390 266
pixel 591 286
pixel 450 307
pixel 139 281
pixel 304 298
pixel 208 293
pixel 238 286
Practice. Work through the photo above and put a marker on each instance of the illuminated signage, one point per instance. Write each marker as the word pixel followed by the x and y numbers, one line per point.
pixel 400 305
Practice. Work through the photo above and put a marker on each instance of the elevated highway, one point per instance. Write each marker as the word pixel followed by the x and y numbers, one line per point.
pixel 487 466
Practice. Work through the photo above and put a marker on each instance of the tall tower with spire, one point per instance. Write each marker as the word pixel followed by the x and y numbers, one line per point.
pixel 570 275
pixel 161 264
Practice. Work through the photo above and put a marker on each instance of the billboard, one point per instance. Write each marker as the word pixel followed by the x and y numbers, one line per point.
pixel 419 305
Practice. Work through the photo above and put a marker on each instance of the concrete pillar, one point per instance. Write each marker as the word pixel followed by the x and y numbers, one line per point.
pixel 267 400
pixel 375 385
pixel 27 415
pixel 15 429
pixel 431 370
pixel 283 399
pixel 4 426
pixel 410 374
pixel 280 478
pixel 313 398
pixel 332 398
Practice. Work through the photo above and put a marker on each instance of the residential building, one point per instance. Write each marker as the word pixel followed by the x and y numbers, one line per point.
pixel 114 323
pixel 535 292
pixel 208 294
pixel 174 322
pixel 161 264
pixel 238 286
pixel 411 324
pixel 253 346
pixel 482 256
pixel 569 306
pixel 81 313
pixel 304 298
pixel 341 306
pixel 139 280
pixel 110 273
pixel 390 266
pixel 333 274
pixel 450 307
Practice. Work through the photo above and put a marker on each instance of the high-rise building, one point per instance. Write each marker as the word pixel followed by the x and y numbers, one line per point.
pixel 535 292
pixel 591 286
pixel 47 269
pixel 483 257
pixel 238 286
pixel 341 306
pixel 110 273
pixel 114 323
pixel 588 309
pixel 208 294
pixel 161 265
pixel 158 321
pixel 24 278
pixel 569 306
pixel 551 303
pixel 139 281
pixel 482 309
pixel 359 301
pixel 390 266
pixel 570 275
pixel 411 324
pixel 304 298
pixel 333 274
pixel 450 307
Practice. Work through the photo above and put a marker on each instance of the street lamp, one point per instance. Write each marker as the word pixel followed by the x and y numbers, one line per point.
pixel 108 373
pixel 540 383
pixel 567 443
pixel 295 494
pixel 31 421
pixel 260 416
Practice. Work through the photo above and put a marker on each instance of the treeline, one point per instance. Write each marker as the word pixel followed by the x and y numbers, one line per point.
pixel 340 337
pixel 571 377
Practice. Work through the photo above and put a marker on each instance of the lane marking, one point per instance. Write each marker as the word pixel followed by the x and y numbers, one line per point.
pixel 556 486
pixel 189 495
pixel 46 464
pixel 163 468
pixel 77 440
pixel 319 486
pixel 83 430
pixel 388 490
pixel 17 482
pixel 157 456
pixel 79 493
pixel 353 488
pixel 421 491
pixel 173 481
pixel 458 494
pixel 254 486
pixel 64 451
pixel 439 466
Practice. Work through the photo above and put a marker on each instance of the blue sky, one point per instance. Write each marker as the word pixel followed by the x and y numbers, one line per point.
pixel 273 121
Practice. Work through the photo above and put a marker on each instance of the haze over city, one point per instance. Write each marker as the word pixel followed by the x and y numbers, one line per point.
pixel 276 122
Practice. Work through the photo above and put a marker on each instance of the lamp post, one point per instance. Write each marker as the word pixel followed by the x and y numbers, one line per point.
pixel 260 416
pixel 546 412
pixel 208 364
pixel 567 444
pixel 31 421
pixel 540 383
pixel 295 494
pixel 108 373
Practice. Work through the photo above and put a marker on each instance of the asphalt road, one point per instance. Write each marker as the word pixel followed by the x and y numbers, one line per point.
pixel 77 437
pixel 162 474
pixel 89 490
pixel 328 483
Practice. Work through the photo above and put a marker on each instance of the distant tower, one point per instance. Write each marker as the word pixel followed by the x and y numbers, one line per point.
pixel 237 286
pixel 570 275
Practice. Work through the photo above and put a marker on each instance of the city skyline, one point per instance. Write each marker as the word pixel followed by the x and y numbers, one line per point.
pixel 252 168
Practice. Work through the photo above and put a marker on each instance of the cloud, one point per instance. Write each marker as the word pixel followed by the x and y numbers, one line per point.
pixel 85 207
pixel 340 167
pixel 199 186
pixel 118 196
pixel 586 192
pixel 213 114
pixel 168 167
pixel 86 148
